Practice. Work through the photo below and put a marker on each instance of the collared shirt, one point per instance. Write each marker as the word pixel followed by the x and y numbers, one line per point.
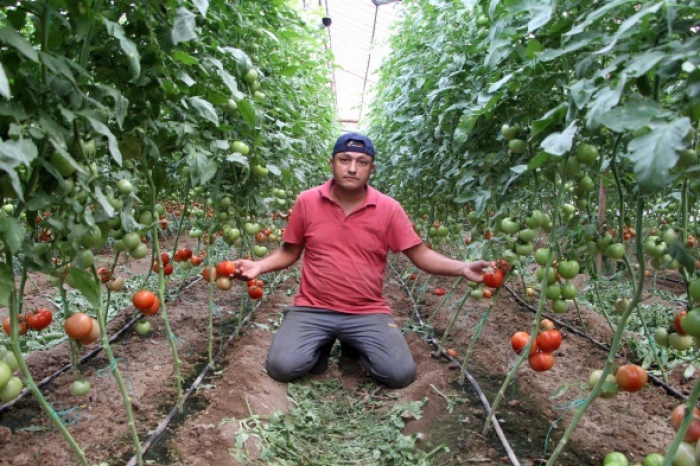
pixel 345 257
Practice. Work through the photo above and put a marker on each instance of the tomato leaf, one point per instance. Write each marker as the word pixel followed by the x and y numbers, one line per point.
pixel 247 112
pixel 104 130
pixel 654 153
pixel 632 115
pixel 205 109
pixel 128 47
pixel 7 284
pixel 538 160
pixel 12 233
pixel 13 154
pixel 12 38
pixel 185 58
pixel 560 143
pixel 202 6
pixel 4 84
pixel 104 203
pixel 679 252
pixel 554 116
pixel 86 284
pixel 238 159
pixel 183 26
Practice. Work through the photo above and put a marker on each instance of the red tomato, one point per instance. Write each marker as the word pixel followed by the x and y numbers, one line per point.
pixel 693 432
pixel 439 291
pixel 165 258
pixel 168 269
pixel 208 272
pixel 39 319
pixel 153 309
pixel 631 378
pixel 487 293
pixel 541 362
pixel 22 325
pixel 104 274
pixel 677 322
pixel 546 324
pixel 143 299
pixel 451 353
pixel 519 341
pixel 549 340
pixel 78 326
pixel 255 292
pixel 196 260
pixel 226 268
pixel 494 279
pixel 183 254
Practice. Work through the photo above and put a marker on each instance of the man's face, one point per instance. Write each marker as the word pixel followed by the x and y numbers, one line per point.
pixel 351 170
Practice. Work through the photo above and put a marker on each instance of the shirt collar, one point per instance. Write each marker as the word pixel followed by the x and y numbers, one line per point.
pixel 370 198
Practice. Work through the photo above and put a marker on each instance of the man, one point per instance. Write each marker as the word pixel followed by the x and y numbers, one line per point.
pixel 346 229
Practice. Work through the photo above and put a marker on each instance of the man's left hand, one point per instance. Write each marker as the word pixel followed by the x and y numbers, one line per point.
pixel 474 271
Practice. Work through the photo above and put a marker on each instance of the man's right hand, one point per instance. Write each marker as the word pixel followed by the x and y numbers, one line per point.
pixel 246 270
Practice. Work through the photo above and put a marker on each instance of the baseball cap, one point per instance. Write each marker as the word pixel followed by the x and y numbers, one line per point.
pixel 354 142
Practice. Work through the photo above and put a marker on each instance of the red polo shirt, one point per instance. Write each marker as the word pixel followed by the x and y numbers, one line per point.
pixel 345 256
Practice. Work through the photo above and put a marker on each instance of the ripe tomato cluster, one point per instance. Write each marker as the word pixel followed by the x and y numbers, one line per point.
pixel 546 342
pixel 146 302
pixel 37 319
pixel 82 327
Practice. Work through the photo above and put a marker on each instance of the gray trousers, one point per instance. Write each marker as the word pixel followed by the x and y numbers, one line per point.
pixel 296 346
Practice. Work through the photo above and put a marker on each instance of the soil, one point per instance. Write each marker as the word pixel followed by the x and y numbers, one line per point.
pixel 534 413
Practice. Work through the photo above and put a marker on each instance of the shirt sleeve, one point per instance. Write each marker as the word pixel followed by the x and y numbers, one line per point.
pixel 402 236
pixel 294 233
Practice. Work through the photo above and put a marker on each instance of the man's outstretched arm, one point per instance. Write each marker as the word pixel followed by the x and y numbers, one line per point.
pixel 435 263
pixel 281 258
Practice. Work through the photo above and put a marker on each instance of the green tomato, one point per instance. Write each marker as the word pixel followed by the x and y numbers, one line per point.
pixel 559 306
pixel 443 231
pixel 511 257
pixel 5 373
pixel 9 358
pixel 510 226
pixel 691 322
pixel 92 238
pixel 196 233
pixel 125 187
pixel 132 240
pixel 694 289
pixel 680 342
pixel 143 327
pixel 8 208
pixel 482 21
pixel 568 269
pixel 89 147
pixel 685 455
pixel 568 209
pixel 240 147
pixel 477 293
pixel 669 236
pixel 653 459
pixel 117 204
pixel 615 251
pixel 160 209
pixel 473 217
pixel 251 228
pixel 553 292
pixel 610 387
pixel 510 132
pixel 587 153
pixel 259 251
pixel 527 235
pixel 586 184
pixel 551 276
pixel 86 258
pixel 615 457
pixel 517 146
pixel 541 256
pixel 524 249
pixel 661 337
pixel 231 105
pixel 80 387
pixel 146 217
pixel 259 95
pixel 11 390
pixel 259 171
pixel 139 252
pixel 62 164
pixel 569 291
pixel 251 76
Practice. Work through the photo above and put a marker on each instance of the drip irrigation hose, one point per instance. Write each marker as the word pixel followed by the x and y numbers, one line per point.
pixel 145 446
pixel 496 426
pixel 84 358
pixel 670 390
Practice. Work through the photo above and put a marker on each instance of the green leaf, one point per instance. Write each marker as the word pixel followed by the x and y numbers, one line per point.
pixel 104 203
pixel 560 143
pixel 104 130
pixel 13 233
pixel 242 59
pixel 202 6
pixel 39 201
pixel 632 115
pixel 654 153
pixel 594 15
pixel 4 84
pixel 231 83
pixel 183 26
pixel 541 14
pixel 247 112
pixel 498 84
pixel 680 253
pixel 273 169
pixel 554 116
pixel 533 47
pixel 642 63
pixel 205 109
pixel 538 160
pixel 12 38
pixel 605 99
pixel 629 23
pixel 238 159
pixel 13 154
pixel 203 167
pixel 184 57
pixel 86 284
pixel 129 48
pixel 7 284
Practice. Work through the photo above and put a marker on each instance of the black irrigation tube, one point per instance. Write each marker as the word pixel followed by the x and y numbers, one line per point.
pixel 145 446
pixel 670 390
pixel 487 406
pixel 84 358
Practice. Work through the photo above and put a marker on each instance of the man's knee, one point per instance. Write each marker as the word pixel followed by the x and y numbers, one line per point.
pixel 283 367
pixel 402 376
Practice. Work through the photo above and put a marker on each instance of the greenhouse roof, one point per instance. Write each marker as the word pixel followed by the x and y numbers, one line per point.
pixel 358 38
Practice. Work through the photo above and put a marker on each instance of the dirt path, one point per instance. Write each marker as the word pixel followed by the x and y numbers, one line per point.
pixel 635 425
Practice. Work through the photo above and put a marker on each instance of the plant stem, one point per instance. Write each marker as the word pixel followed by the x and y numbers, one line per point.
pixel 444 300
pixel 617 338
pixel 688 419
pixel 449 326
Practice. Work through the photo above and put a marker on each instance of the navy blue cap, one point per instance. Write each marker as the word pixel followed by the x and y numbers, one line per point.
pixel 354 142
